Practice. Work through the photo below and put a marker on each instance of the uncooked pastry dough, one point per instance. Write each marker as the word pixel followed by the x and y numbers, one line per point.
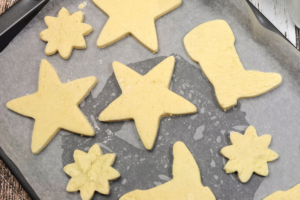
pixel 212 45
pixel 291 194
pixel 248 153
pixel 54 106
pixel 146 99
pixel 185 185
pixel 91 172
pixel 134 17
pixel 65 33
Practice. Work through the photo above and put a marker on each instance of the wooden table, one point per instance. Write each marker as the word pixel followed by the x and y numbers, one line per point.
pixel 274 10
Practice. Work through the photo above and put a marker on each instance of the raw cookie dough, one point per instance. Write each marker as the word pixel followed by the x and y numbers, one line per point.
pixel 212 45
pixel 54 106
pixel 146 99
pixel 248 153
pixel 65 33
pixel 291 194
pixel 91 172
pixel 134 17
pixel 186 183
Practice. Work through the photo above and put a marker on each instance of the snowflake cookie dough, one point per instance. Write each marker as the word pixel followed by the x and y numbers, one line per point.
pixel 291 194
pixel 212 45
pixel 65 33
pixel 248 153
pixel 186 182
pixel 54 106
pixel 146 99
pixel 91 172
pixel 134 17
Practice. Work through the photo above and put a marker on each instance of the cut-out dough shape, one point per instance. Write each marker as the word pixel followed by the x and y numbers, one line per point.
pixel 186 183
pixel 91 172
pixel 212 45
pixel 54 106
pixel 146 99
pixel 134 17
pixel 291 194
pixel 65 33
pixel 248 153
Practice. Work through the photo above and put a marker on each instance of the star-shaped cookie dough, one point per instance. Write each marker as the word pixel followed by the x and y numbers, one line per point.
pixel 146 99
pixel 54 106
pixel 291 194
pixel 65 33
pixel 248 153
pixel 186 183
pixel 212 45
pixel 91 172
pixel 134 17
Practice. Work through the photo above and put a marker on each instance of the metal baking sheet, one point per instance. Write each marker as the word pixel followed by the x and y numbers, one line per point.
pixel 205 133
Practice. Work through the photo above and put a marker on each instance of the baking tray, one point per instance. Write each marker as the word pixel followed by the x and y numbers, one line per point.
pixel 15 19
pixel 147 64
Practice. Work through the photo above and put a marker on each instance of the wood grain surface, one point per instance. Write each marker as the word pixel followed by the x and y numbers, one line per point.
pixel 10 188
pixel 6 4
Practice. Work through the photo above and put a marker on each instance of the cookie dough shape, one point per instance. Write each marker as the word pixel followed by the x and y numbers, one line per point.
pixel 134 17
pixel 146 99
pixel 248 153
pixel 54 106
pixel 91 172
pixel 186 182
pixel 291 194
pixel 65 33
pixel 212 45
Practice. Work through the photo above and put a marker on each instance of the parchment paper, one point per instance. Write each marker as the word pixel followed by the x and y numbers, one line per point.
pixel 205 133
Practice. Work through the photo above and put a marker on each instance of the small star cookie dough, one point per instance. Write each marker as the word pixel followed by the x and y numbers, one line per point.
pixel 212 45
pixel 134 17
pixel 91 172
pixel 186 182
pixel 291 194
pixel 248 153
pixel 64 33
pixel 146 99
pixel 54 106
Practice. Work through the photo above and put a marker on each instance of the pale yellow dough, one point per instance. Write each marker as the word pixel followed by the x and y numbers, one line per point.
pixel 91 172
pixel 248 153
pixel 185 185
pixel 54 106
pixel 146 99
pixel 134 17
pixel 291 194
pixel 212 45
pixel 65 33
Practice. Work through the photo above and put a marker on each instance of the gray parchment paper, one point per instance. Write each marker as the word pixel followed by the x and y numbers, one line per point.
pixel 205 133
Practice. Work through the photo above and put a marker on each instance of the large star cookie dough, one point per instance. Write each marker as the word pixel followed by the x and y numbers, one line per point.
pixel 248 153
pixel 291 194
pixel 186 182
pixel 212 45
pixel 146 99
pixel 134 17
pixel 91 172
pixel 65 33
pixel 54 106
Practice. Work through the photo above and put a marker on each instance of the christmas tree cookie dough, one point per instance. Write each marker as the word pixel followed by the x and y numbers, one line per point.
pixel 248 153
pixel 134 17
pixel 291 194
pixel 146 99
pixel 186 182
pixel 65 33
pixel 91 172
pixel 212 45
pixel 54 106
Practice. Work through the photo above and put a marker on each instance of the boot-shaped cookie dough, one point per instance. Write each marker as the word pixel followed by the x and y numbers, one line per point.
pixel 186 182
pixel 212 45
